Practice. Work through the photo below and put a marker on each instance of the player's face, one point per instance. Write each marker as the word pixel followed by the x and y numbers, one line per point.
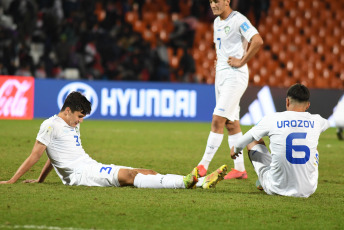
pixel 75 118
pixel 218 6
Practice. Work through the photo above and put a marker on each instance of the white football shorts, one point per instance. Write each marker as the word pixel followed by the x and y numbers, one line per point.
pixel 230 85
pixel 97 174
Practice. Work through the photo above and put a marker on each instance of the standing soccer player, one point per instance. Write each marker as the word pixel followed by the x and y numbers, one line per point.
pixel 292 167
pixel 232 33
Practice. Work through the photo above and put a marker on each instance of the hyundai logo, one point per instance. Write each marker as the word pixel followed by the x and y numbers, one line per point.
pixel 83 88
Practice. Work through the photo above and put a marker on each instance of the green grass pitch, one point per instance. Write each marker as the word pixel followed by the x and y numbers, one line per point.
pixel 167 147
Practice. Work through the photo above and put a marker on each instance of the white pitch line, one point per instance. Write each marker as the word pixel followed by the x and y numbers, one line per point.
pixel 42 227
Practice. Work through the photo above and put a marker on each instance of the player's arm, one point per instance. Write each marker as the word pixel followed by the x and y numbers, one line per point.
pixel 36 153
pixel 256 43
pixel 243 141
pixel 44 173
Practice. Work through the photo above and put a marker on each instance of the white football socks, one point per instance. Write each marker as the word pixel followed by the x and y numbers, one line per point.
pixel 239 161
pixel 158 181
pixel 213 143
pixel 200 182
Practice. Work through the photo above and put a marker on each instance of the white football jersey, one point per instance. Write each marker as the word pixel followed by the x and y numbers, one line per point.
pixel 64 147
pixel 231 37
pixel 293 144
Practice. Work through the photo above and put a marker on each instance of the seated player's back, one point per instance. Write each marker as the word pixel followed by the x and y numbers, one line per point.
pixel 293 142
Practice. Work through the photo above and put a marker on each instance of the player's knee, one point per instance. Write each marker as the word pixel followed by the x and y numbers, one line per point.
pixel 254 143
pixel 146 171
pixel 151 172
pixel 229 127
pixel 233 127
pixel 217 124
pixel 126 177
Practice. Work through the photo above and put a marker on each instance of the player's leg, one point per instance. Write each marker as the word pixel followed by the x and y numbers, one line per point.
pixel 232 89
pixel 126 176
pixel 340 133
pixel 217 125
pixel 234 133
pixel 158 181
pixel 338 117
pixel 145 171
pixel 97 174
pixel 261 159
pixel 213 143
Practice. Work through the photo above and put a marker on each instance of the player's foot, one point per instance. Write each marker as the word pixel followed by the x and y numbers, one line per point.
pixel 215 177
pixel 202 171
pixel 235 174
pixel 191 179
pixel 258 185
pixel 340 133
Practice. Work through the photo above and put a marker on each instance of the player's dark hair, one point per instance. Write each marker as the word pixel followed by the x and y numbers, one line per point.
pixel 77 102
pixel 298 92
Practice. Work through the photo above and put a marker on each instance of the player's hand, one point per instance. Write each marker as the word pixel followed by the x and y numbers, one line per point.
pixel 31 181
pixel 5 182
pixel 233 154
pixel 234 62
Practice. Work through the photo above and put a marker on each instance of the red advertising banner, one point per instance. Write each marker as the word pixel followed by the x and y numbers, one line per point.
pixel 16 97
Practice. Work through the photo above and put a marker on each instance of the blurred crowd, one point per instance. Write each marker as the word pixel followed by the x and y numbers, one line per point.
pixel 90 39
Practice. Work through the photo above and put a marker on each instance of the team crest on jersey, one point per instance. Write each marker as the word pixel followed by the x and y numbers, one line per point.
pixel 227 29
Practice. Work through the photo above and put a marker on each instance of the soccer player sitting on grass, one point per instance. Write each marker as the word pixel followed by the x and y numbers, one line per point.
pixel 292 167
pixel 59 136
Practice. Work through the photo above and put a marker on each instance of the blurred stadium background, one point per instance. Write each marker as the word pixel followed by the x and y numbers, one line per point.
pixel 169 40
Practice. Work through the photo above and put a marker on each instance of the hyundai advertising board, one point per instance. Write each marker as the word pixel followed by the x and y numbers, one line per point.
pixel 27 98
pixel 127 100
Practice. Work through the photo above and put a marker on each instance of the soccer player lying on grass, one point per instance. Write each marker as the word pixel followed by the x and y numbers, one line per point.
pixel 59 136
pixel 292 167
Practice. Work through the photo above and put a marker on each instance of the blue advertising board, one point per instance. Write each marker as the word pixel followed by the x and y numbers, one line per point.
pixel 129 100
pixel 169 101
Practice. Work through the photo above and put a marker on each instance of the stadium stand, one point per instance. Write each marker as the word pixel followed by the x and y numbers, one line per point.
pixel 303 40
pixel 303 43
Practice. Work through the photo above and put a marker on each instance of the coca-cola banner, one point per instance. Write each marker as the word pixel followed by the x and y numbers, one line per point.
pixel 16 97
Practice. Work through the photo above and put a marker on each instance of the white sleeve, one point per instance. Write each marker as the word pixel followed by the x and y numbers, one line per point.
pixel 259 131
pixel 247 30
pixel 325 126
pixel 243 141
pixel 45 134
pixel 263 127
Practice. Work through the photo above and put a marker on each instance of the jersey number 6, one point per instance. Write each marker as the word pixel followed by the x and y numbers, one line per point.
pixel 299 148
